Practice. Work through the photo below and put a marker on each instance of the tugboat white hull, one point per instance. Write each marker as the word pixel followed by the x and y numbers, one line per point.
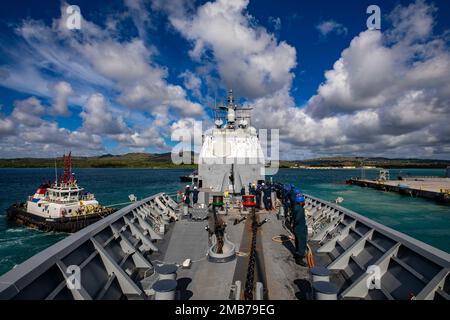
pixel 17 213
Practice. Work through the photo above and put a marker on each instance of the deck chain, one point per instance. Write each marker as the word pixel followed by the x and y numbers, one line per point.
pixel 248 290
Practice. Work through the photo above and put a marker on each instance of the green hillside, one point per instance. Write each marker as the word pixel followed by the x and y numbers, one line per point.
pixel 129 160
pixel 163 160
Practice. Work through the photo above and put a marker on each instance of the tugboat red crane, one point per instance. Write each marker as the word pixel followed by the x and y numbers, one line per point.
pixel 68 176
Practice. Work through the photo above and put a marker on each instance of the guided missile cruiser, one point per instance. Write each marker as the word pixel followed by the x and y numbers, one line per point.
pixel 231 156
pixel 226 247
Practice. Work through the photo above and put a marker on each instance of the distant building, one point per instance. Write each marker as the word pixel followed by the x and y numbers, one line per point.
pixel 384 175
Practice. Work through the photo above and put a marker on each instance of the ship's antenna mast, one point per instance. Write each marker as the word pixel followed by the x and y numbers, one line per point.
pixel 68 168
pixel 56 173
pixel 215 100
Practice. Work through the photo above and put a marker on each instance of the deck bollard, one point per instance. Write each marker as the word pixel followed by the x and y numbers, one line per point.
pixel 166 271
pixel 165 289
pixel 324 290
pixel 319 273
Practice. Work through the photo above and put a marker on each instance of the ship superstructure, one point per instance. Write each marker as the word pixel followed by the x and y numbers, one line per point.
pixel 231 156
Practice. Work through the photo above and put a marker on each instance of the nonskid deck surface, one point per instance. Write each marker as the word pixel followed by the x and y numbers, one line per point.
pixel 210 280
pixel 204 279
pixel 117 258
pixel 285 279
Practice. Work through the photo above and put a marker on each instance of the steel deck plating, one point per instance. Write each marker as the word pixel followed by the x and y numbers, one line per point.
pixel 117 257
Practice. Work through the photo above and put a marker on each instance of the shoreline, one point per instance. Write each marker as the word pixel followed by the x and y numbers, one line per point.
pixel 163 168
pixel 193 167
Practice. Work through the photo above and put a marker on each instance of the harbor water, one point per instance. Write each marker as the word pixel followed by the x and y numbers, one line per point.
pixel 422 219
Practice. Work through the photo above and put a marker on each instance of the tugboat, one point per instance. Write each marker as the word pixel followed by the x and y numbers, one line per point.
pixel 193 177
pixel 62 206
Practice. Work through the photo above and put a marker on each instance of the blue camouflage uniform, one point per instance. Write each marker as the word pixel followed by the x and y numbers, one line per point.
pixel 285 197
pixel 291 196
pixel 300 229
pixel 266 197
pixel 258 196
pixel 195 193
pixel 187 193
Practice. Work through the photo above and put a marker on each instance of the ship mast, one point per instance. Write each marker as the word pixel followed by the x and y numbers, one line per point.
pixel 231 106
pixel 68 177
pixel 56 174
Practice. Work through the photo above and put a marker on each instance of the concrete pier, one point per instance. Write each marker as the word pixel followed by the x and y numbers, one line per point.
pixel 437 189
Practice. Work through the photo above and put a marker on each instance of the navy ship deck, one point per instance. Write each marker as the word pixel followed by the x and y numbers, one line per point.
pixel 117 257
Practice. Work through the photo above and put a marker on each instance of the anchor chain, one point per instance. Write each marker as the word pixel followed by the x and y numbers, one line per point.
pixel 248 290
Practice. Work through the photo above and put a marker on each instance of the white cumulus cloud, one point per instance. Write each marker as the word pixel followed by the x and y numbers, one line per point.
pixel 62 92
pixel 247 57
pixel 387 94
pixel 331 26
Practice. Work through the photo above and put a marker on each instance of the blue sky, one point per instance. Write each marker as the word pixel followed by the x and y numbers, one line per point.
pixel 137 71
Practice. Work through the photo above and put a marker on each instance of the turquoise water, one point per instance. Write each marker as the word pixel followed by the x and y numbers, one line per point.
pixel 419 218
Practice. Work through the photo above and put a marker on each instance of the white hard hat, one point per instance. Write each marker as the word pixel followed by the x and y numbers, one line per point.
pixel 187 186
pixel 195 187
pixel 262 183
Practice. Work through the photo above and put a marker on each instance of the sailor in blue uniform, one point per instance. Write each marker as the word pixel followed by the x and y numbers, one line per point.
pixel 300 230
pixel 291 196
pixel 195 193
pixel 258 196
pixel 272 197
pixel 285 197
pixel 252 189
pixel 187 193
pixel 266 197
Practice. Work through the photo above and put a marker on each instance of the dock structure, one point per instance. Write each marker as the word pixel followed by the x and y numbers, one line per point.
pixel 435 188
